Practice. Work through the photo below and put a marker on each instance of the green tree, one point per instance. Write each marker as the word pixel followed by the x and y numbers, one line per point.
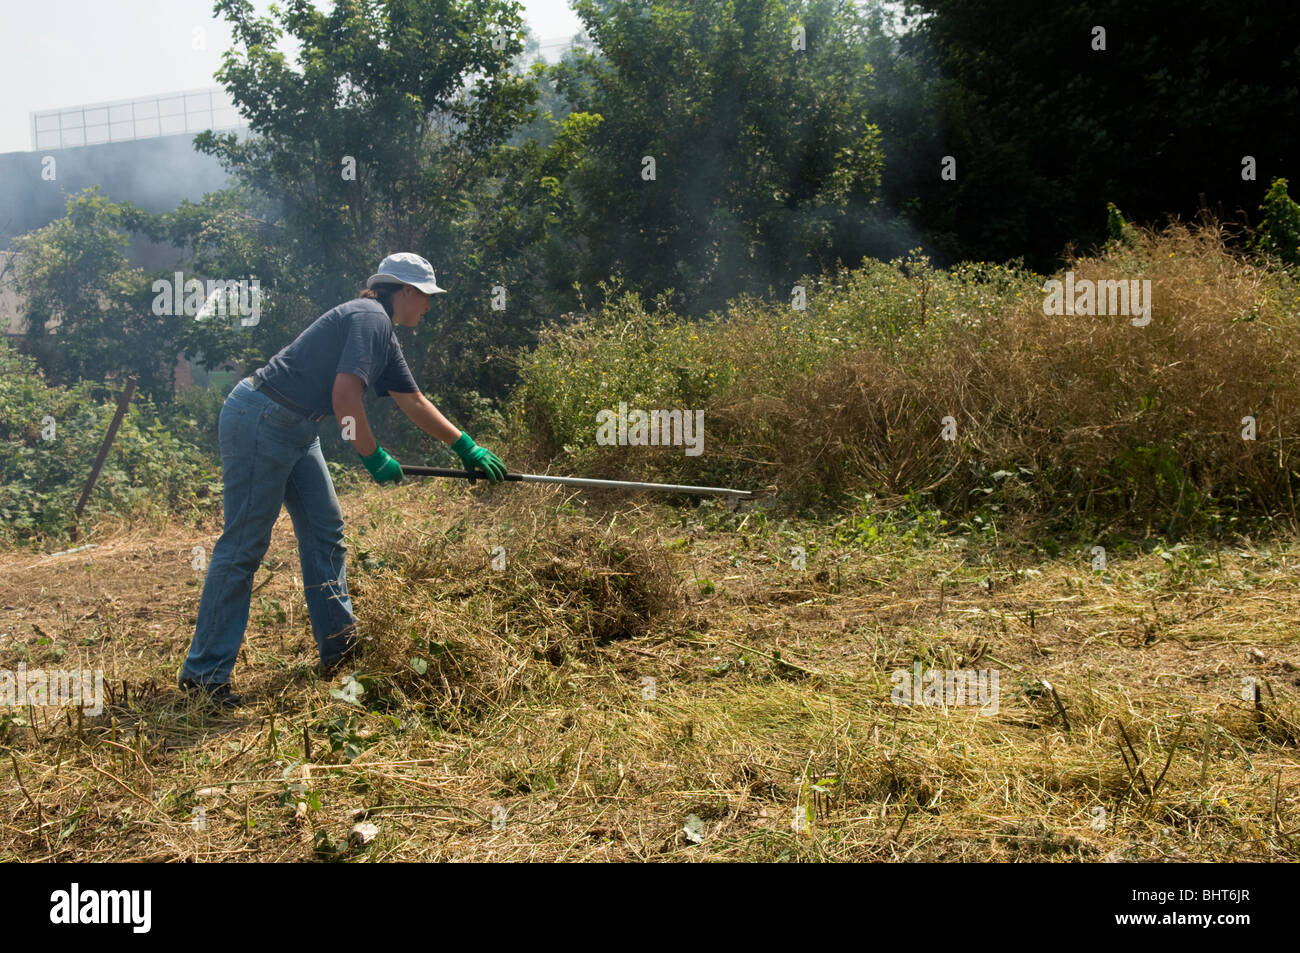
pixel 50 434
pixel 903 102
pixel 367 148
pixel 87 311
pixel 755 114
pixel 1184 104
pixel 389 137
pixel 519 237
pixel 230 236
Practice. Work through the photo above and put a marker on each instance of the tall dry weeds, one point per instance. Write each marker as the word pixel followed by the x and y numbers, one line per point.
pixel 1087 416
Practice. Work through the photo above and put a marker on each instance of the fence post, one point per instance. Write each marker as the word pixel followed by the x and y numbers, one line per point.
pixel 103 455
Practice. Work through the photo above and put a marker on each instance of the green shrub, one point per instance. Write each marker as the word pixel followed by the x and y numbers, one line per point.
pixel 652 358
pixel 1279 232
pixel 49 437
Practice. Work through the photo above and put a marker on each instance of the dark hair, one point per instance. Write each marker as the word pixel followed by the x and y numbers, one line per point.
pixel 383 293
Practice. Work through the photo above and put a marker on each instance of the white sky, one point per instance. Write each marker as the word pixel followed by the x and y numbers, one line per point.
pixel 58 53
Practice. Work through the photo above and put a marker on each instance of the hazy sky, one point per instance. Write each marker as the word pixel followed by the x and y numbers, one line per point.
pixel 57 53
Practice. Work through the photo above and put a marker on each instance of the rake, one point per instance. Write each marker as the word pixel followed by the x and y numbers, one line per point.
pixel 582 481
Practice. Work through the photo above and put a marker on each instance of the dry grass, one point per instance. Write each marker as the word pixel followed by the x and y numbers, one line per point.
pixel 504 714
pixel 1115 426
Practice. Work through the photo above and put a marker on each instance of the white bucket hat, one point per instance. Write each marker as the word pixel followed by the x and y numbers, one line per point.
pixel 406 268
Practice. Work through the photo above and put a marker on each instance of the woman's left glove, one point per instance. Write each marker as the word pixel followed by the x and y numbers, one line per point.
pixel 472 455
pixel 382 467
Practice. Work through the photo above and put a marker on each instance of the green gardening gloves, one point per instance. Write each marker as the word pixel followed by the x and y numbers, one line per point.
pixel 472 455
pixel 383 467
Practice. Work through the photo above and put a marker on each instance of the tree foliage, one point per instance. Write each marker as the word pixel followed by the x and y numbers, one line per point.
pixel 381 95
pixel 755 115
pixel 1046 127
pixel 390 137
pixel 86 309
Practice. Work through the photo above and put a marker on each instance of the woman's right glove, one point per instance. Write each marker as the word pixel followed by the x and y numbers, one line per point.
pixel 472 455
pixel 382 467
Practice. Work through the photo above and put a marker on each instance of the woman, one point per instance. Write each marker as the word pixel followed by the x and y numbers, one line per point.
pixel 270 455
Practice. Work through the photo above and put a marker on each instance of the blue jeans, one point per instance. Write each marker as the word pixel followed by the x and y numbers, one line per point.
pixel 270 456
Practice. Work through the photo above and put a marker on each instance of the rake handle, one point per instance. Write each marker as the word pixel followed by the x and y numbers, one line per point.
pixel 585 482
pixel 449 472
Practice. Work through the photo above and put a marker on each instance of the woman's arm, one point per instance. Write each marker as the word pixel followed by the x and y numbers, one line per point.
pixel 424 415
pixel 347 403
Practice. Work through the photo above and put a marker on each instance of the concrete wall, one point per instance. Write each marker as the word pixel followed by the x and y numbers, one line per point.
pixel 155 174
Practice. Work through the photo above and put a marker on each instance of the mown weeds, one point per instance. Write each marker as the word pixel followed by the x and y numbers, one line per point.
pixel 593 715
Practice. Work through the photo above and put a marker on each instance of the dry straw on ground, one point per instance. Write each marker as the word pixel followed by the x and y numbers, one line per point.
pixel 509 713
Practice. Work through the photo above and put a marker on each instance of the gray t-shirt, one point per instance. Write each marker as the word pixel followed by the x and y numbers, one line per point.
pixel 354 338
